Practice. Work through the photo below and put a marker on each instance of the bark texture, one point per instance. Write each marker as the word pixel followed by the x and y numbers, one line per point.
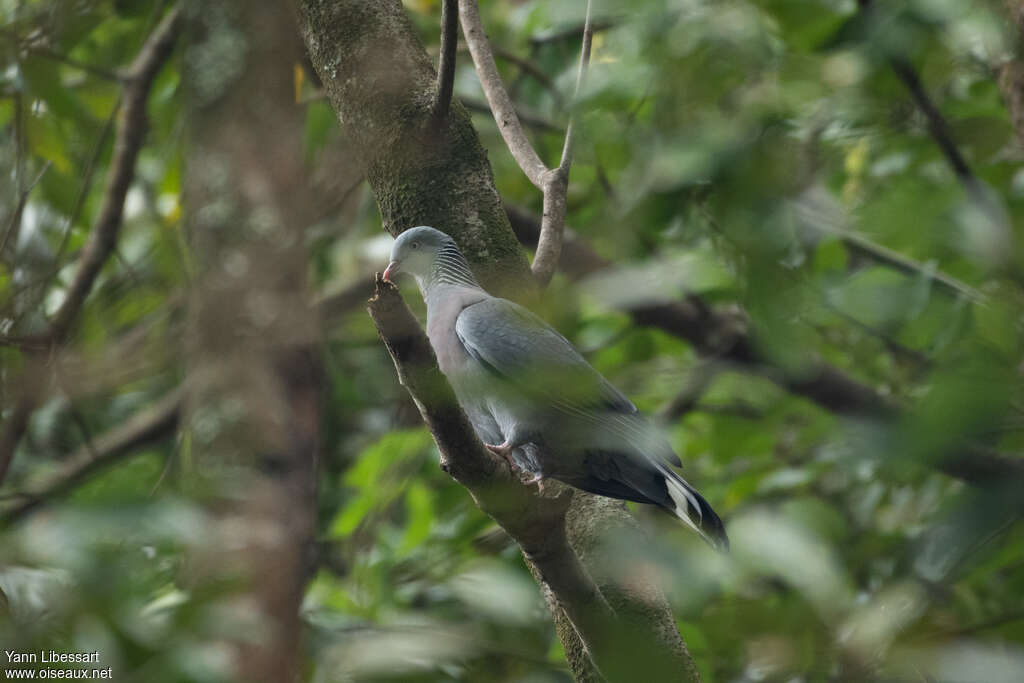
pixel 1011 74
pixel 380 81
pixel 254 377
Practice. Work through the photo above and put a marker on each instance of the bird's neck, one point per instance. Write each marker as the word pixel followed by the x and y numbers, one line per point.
pixel 450 269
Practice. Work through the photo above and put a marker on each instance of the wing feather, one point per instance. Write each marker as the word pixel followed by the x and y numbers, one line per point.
pixel 520 348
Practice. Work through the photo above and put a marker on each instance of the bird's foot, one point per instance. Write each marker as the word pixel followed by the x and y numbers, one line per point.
pixel 504 451
pixel 537 479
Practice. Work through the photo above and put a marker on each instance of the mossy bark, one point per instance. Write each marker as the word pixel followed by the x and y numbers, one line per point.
pixel 380 82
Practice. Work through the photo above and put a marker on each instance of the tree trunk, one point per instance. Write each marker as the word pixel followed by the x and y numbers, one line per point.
pixel 254 372
pixel 380 82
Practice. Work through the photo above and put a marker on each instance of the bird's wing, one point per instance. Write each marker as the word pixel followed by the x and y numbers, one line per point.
pixel 524 351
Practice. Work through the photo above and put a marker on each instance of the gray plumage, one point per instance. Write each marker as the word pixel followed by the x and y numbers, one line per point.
pixel 533 399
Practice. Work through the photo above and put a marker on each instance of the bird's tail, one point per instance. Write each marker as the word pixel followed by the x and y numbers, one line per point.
pixel 690 506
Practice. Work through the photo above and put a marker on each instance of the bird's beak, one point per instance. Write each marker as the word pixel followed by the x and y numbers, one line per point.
pixel 390 271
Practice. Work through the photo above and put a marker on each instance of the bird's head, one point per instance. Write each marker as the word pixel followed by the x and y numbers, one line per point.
pixel 416 252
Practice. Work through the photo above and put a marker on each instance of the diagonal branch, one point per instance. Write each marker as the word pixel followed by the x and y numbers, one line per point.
pixel 549 244
pixel 130 134
pixel 14 427
pixel 91 69
pixel 553 183
pixel 497 96
pixel 859 244
pixel 532 69
pixel 528 119
pixel 103 235
pixel 719 335
pixel 415 182
pixel 13 225
pixel 938 127
pixel 146 427
pixel 536 522
pixel 581 74
pixel 446 62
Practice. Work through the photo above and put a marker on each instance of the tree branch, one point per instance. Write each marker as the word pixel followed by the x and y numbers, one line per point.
pixel 14 427
pixel 527 118
pixel 722 335
pixel 148 426
pixel 529 67
pixel 97 71
pixel 537 522
pixel 553 183
pixel 939 129
pixel 497 96
pixel 859 244
pixel 549 243
pixel 104 232
pixel 696 386
pixel 581 74
pixel 83 194
pixel 555 36
pixel 258 468
pixel 446 61
pixel 130 134
pixel 18 130
pixel 359 47
pixel 14 224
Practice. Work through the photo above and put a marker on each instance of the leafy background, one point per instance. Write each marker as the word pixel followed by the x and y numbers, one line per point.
pixel 759 153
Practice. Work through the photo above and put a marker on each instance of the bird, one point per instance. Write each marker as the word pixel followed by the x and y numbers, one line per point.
pixel 533 399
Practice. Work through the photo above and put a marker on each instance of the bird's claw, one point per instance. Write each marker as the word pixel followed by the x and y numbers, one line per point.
pixel 537 479
pixel 504 451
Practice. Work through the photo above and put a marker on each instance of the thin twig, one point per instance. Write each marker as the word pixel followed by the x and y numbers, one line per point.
pixel 97 71
pixel 142 429
pixel 718 334
pixel 527 118
pixel 581 74
pixel 904 264
pixel 553 183
pixel 15 221
pixel 497 96
pixel 19 175
pixel 571 32
pixel 103 236
pixel 696 386
pixel 13 428
pixel 529 67
pixel 536 521
pixel 446 62
pixel 83 191
pixel 549 245
pixel 940 132
pixel 936 121
pixel 83 427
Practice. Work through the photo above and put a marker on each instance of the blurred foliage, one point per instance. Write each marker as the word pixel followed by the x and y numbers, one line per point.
pixel 729 149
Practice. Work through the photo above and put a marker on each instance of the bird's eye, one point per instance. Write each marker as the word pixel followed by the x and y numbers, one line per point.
pixel 415 245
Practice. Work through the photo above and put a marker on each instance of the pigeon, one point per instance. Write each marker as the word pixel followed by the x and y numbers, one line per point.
pixel 533 399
